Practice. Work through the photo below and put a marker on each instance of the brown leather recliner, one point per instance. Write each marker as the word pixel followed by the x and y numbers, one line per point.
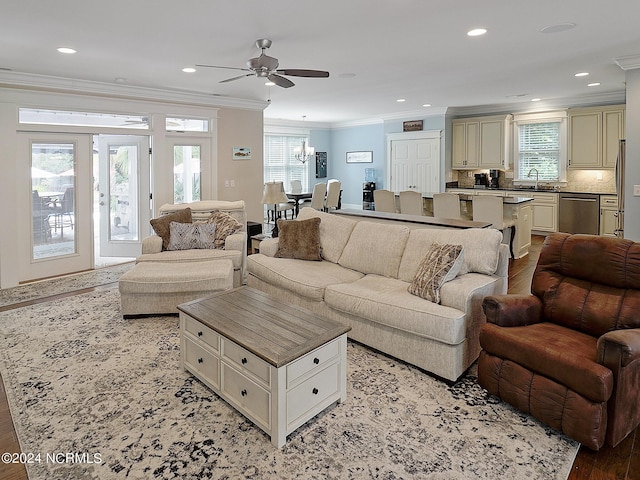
pixel 569 354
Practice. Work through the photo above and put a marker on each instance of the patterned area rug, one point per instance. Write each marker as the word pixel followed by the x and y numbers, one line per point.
pixel 69 283
pixel 99 397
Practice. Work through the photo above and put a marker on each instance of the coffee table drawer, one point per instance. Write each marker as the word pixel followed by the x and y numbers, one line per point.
pixel 201 332
pixel 310 393
pixel 202 361
pixel 246 360
pixel 312 360
pixel 249 397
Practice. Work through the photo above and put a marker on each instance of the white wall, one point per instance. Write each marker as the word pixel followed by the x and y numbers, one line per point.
pixel 632 172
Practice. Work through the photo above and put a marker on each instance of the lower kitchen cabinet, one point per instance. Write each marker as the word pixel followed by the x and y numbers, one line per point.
pixel 608 215
pixel 544 212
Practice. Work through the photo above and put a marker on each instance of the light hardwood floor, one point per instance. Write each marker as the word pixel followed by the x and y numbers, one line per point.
pixel 620 463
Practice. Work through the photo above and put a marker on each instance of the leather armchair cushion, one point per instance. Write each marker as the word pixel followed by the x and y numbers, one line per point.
pixel 564 355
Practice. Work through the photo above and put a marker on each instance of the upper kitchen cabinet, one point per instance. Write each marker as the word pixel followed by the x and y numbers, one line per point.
pixel 480 142
pixel 593 136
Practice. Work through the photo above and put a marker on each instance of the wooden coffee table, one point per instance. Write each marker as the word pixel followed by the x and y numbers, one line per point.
pixel 278 364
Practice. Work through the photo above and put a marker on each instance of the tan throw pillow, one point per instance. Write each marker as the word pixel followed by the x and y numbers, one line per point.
pixel 185 236
pixel 441 264
pixel 225 226
pixel 299 239
pixel 161 224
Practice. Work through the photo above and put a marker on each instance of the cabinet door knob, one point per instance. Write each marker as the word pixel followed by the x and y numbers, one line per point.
pixel 243 393
pixel 199 334
pixel 244 360
pixel 200 360
pixel 315 391
pixel 316 360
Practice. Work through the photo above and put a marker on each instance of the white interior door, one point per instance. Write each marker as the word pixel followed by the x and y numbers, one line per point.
pixel 415 165
pixel 57 203
pixel 123 194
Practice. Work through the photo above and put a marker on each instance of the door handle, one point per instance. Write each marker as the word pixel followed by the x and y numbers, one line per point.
pixel 102 204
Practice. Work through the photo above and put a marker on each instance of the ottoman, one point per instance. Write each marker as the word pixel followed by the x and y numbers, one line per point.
pixel 152 288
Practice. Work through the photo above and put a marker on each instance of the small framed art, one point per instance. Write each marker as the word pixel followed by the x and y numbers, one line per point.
pixel 359 157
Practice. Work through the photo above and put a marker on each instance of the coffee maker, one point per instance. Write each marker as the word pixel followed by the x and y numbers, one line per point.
pixel 481 180
pixel 495 178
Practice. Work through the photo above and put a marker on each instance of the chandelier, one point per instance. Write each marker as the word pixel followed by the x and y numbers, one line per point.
pixel 304 153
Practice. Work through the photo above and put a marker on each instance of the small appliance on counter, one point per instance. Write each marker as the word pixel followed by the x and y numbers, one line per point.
pixel 495 177
pixel 481 181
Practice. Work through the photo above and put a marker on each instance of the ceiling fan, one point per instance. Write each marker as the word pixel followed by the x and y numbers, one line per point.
pixel 266 66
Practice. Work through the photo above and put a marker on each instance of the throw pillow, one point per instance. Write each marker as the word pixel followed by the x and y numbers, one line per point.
pixel 185 236
pixel 161 224
pixel 441 264
pixel 225 226
pixel 299 239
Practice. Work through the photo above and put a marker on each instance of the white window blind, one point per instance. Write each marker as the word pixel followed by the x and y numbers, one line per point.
pixel 280 164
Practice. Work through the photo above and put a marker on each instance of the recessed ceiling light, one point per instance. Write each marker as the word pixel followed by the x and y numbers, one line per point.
pixel 426 104
pixel 400 100
pixel 66 50
pixel 120 80
pixel 536 99
pixel 269 84
pixel 581 74
pixel 594 84
pixel 188 70
pixel 560 27
pixel 477 32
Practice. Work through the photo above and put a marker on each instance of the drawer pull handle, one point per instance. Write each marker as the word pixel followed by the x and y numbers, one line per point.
pixel 315 391
pixel 316 360
pixel 243 393
pixel 199 334
pixel 244 360
pixel 200 360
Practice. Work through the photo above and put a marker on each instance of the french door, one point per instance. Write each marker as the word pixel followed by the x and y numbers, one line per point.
pixel 123 194
pixel 57 203
pixel 414 163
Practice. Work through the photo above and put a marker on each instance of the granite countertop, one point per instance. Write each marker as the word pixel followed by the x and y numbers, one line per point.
pixel 527 189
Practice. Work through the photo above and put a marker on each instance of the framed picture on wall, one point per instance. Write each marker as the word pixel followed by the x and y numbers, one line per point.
pixel 359 157
pixel 321 164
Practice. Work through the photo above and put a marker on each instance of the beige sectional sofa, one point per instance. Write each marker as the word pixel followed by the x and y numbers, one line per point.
pixel 235 245
pixel 363 278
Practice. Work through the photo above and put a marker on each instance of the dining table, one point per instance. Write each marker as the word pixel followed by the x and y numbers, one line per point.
pixel 297 197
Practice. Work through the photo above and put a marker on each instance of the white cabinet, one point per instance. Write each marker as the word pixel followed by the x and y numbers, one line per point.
pixel 544 215
pixel 480 142
pixel 608 215
pixel 594 134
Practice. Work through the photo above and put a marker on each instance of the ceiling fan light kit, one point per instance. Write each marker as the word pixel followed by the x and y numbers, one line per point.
pixel 265 66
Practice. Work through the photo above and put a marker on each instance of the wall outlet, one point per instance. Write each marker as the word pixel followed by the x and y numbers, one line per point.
pixel 233 183
pixel 226 183
pixel 636 190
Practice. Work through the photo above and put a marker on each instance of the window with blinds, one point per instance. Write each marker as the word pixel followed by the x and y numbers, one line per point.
pixel 280 164
pixel 540 145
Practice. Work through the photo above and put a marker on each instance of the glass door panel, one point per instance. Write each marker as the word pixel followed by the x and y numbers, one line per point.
pixel 186 173
pixel 123 194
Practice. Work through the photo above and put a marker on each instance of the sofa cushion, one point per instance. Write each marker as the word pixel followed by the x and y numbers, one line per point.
pixel 441 264
pixel 334 232
pixel 161 224
pixel 375 248
pixel 481 249
pixel 225 225
pixel 185 236
pixel 193 255
pixel 386 301
pixel 307 279
pixel 299 239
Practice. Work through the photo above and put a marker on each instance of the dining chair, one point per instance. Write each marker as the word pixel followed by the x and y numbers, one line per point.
pixel 296 186
pixel 333 195
pixel 317 197
pixel 411 202
pixel 66 207
pixel 446 205
pixel 487 208
pixel 384 201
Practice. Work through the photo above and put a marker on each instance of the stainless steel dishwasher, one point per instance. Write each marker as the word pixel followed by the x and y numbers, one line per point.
pixel 579 213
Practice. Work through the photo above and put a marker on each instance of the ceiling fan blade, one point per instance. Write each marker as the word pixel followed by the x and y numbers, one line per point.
pixel 304 73
pixel 236 78
pixel 280 81
pixel 218 66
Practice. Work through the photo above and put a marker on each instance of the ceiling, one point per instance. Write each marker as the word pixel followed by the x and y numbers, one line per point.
pixel 376 51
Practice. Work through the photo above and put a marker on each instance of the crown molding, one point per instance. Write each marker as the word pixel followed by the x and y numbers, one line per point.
pixel 28 81
pixel 628 62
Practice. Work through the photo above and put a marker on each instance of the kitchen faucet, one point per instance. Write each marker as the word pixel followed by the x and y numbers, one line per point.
pixel 537 176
